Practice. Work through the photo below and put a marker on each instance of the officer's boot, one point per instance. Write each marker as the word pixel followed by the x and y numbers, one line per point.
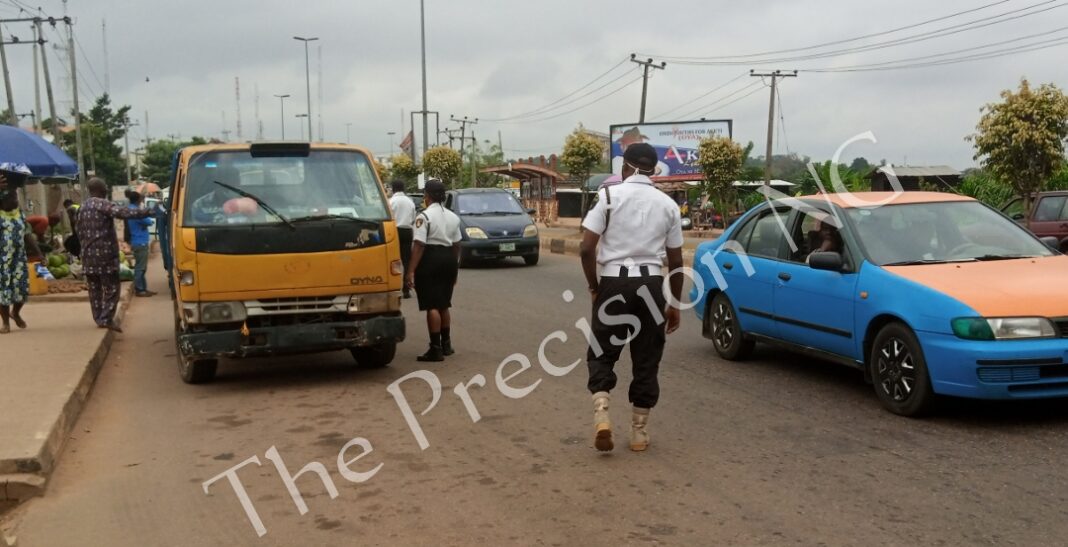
pixel 639 434
pixel 446 342
pixel 602 425
pixel 435 353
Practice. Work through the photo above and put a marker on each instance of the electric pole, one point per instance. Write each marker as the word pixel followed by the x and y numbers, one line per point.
pixel 12 119
pixel 422 40
pixel 74 96
pixel 474 160
pixel 774 75
pixel 36 83
pixel 463 130
pixel 646 65
pixel 126 142
pixel 47 79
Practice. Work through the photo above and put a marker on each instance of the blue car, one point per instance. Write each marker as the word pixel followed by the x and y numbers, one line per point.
pixel 927 293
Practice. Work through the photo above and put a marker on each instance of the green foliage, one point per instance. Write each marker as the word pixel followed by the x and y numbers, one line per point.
pixel 384 174
pixel 582 152
pixel 783 167
pixel 156 164
pixel 102 129
pixel 1059 180
pixel 1020 141
pixel 491 157
pixel 442 162
pixel 404 168
pixel 985 188
pixel 852 181
pixel 860 165
pixel 721 161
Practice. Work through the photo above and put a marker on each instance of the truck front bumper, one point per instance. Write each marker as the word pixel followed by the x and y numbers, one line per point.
pixel 288 339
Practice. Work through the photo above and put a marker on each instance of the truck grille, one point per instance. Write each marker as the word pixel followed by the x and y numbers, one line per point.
pixel 285 306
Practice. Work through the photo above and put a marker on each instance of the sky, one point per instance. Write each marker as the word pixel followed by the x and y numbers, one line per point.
pixel 175 63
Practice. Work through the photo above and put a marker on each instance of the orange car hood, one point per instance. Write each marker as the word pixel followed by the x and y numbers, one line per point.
pixel 1001 288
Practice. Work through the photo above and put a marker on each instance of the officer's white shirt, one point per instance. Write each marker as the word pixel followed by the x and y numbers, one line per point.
pixel 403 209
pixel 437 225
pixel 644 222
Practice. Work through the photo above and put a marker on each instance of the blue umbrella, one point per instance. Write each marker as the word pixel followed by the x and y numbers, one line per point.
pixel 43 158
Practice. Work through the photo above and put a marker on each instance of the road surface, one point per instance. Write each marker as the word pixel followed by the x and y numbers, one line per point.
pixel 778 450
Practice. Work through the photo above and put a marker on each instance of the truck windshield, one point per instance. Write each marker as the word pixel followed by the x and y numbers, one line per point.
pixel 327 183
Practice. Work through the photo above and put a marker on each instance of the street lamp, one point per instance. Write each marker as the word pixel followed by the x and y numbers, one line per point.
pixel 282 103
pixel 348 139
pixel 307 80
pixel 391 133
pixel 302 126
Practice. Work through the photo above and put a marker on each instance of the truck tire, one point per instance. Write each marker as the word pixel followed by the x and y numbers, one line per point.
pixel 193 371
pixel 375 356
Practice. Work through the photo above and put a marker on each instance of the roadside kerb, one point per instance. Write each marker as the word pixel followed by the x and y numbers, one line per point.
pixel 23 478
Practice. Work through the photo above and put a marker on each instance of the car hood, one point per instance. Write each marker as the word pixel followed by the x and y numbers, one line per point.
pixel 497 226
pixel 1003 288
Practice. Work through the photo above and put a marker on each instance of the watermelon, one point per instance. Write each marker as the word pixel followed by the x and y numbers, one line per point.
pixel 54 261
pixel 59 272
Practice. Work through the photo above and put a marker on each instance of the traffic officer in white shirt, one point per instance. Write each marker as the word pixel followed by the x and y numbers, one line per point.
pixel 433 272
pixel 626 233
pixel 404 215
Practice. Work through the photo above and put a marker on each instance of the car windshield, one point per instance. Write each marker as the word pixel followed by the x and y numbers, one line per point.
pixel 324 183
pixel 487 203
pixel 941 232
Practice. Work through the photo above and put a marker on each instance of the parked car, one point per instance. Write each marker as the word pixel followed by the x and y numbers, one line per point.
pixel 1048 218
pixel 930 294
pixel 494 225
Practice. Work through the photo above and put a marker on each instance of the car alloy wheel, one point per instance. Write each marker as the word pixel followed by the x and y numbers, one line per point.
pixel 725 331
pixel 723 325
pixel 895 370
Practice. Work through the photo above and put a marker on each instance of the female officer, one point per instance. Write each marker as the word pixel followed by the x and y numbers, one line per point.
pixel 435 252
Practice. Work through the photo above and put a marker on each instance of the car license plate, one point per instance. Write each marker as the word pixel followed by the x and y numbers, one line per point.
pixel 507 247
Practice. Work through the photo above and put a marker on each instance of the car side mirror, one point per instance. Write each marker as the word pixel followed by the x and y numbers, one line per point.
pixel 531 211
pixel 830 261
pixel 1052 242
pixel 1018 216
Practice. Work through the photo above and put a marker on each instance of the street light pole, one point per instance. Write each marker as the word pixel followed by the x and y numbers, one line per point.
pixel 282 104
pixel 348 133
pixel 298 116
pixel 391 133
pixel 307 81
pixel 422 38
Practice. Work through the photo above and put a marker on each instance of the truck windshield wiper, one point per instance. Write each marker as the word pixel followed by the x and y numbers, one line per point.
pixel 311 218
pixel 928 261
pixel 259 201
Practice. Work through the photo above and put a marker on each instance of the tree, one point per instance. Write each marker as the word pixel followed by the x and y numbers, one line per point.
pixel 860 165
pixel 102 128
pixel 442 162
pixel 159 156
pixel 383 172
pixel 582 152
pixel 1020 141
pixel 721 161
pixel 405 169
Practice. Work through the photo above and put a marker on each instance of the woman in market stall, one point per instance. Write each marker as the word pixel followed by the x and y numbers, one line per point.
pixel 16 241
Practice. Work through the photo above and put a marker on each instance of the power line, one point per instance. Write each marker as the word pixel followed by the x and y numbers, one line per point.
pixel 88 63
pixel 965 58
pixel 705 107
pixel 597 100
pixel 854 39
pixel 782 121
pixel 565 97
pixel 569 102
pixel 743 97
pixel 688 103
pixel 911 39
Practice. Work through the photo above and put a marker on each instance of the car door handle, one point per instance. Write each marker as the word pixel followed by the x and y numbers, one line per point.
pixel 728 266
pixel 785 276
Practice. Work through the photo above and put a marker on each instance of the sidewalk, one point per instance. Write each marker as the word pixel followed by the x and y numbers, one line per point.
pixel 46 374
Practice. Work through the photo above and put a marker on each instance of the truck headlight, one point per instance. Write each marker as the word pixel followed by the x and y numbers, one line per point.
pixel 476 233
pixel 530 231
pixel 222 312
pixel 379 302
pixel 185 278
pixel 1002 328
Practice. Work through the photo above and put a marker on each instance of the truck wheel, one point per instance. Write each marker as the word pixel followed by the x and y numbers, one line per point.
pixel 193 371
pixel 375 356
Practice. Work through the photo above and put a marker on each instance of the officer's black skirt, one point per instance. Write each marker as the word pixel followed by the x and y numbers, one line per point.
pixel 435 277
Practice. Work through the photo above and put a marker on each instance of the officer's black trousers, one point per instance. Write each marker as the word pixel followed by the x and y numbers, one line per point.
pixel 622 304
pixel 405 236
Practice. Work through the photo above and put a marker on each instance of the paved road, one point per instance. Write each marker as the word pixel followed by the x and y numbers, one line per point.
pixel 780 450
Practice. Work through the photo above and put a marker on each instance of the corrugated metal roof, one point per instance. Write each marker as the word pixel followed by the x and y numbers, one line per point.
pixel 921 171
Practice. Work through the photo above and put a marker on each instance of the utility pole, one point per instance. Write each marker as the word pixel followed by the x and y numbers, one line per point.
pixel 47 79
pixel 646 65
pixel 74 95
pixel 107 69
pixel 319 88
pixel 256 111
pixel 463 130
pixel 36 83
pixel 422 41
pixel 12 119
pixel 474 160
pixel 126 143
pixel 774 75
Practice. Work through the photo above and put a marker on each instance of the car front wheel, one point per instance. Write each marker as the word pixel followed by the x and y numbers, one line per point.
pixel 727 336
pixel 899 372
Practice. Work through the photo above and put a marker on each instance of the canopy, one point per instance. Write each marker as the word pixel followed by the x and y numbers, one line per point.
pixel 43 158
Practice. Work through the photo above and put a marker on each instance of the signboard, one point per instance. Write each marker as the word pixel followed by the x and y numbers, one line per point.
pixel 675 143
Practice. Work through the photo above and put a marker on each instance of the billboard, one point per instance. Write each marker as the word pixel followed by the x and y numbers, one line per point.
pixel 675 143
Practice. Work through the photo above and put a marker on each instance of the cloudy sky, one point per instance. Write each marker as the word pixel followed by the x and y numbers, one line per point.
pixel 495 59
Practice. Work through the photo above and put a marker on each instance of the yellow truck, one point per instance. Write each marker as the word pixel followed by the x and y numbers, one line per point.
pixel 281 248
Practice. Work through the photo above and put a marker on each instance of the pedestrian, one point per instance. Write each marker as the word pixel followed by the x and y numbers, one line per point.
pixel 433 273
pixel 632 226
pixel 16 243
pixel 139 242
pixel 404 215
pixel 71 244
pixel 100 250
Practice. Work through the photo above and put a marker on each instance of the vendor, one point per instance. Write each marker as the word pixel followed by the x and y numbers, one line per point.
pixel 16 245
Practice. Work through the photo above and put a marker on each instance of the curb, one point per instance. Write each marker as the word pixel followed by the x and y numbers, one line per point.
pixel 571 247
pixel 31 476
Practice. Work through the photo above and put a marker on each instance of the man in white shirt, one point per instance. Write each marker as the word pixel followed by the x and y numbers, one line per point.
pixel 404 215
pixel 435 257
pixel 632 225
